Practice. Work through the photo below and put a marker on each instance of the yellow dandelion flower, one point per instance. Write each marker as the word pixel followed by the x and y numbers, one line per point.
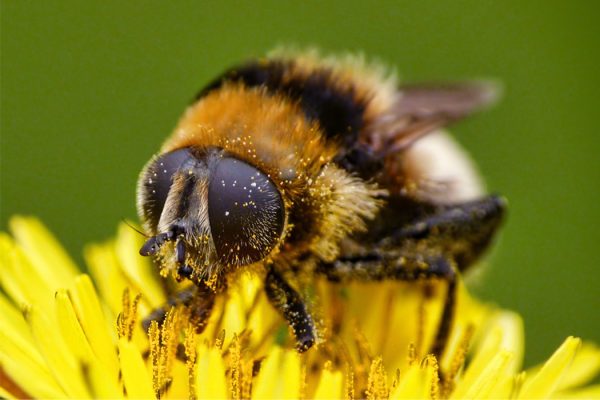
pixel 66 334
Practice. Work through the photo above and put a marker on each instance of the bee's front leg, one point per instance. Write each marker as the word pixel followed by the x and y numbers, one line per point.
pixel 291 306
pixel 199 298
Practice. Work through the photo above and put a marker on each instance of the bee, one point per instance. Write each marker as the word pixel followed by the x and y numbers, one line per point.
pixel 297 165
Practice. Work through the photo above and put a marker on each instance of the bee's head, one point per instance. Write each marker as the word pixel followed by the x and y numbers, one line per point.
pixel 207 209
pixel 244 175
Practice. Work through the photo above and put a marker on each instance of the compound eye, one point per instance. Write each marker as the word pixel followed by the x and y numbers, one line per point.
pixel 245 211
pixel 157 180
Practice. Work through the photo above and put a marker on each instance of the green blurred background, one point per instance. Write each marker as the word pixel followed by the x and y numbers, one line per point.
pixel 90 90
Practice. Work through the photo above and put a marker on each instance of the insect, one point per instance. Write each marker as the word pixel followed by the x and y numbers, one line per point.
pixel 301 165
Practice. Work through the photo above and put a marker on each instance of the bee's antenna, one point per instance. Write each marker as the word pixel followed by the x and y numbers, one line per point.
pixel 133 227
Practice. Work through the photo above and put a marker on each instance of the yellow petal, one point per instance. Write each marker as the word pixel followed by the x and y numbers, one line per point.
pixel 179 387
pixel 103 384
pixel 7 260
pixel 420 381
pixel 70 328
pixel 482 386
pixel 279 376
pixel 48 257
pixel 588 393
pixel 74 350
pixel 331 385
pixel 135 375
pixel 412 385
pixel 94 323
pixel 235 317
pixel 545 382
pixel 210 374
pixel 21 367
pixel 20 279
pixel 16 331
pixel 504 334
pixel 108 276
pixel 584 368
pixel 10 316
pixel 64 366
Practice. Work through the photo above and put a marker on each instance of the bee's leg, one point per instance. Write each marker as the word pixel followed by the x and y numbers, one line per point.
pixel 447 318
pixel 159 314
pixel 462 231
pixel 199 298
pixel 290 304
pixel 407 267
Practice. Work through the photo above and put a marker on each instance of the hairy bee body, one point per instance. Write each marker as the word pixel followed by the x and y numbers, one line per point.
pixel 298 165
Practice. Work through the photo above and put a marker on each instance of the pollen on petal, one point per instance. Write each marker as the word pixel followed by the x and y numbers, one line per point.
pixel 85 339
pixel 377 385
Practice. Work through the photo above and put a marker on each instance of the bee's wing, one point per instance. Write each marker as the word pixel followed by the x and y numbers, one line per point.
pixel 420 109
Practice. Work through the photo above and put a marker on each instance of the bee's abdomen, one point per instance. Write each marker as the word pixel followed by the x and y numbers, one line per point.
pixel 321 95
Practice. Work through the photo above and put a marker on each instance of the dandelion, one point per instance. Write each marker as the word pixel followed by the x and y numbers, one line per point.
pixel 68 334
